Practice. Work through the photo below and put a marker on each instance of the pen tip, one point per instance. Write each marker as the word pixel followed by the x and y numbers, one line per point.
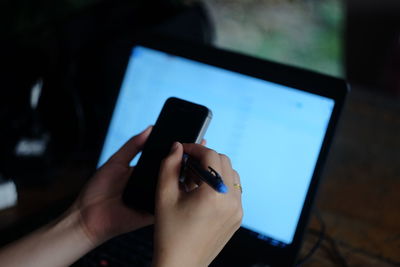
pixel 222 189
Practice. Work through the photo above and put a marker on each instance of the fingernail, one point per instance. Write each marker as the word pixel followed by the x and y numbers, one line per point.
pixel 174 146
pixel 145 130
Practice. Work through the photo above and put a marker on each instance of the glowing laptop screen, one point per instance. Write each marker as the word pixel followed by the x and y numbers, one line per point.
pixel 272 133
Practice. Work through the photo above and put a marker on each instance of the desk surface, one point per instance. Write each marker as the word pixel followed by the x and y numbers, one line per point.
pixel 358 198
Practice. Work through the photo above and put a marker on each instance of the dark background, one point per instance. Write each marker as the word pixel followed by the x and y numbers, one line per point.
pixel 70 45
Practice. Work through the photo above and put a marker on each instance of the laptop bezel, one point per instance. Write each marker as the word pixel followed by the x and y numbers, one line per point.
pixel 260 251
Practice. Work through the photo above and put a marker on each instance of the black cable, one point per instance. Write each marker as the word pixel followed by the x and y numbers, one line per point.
pixel 336 255
pixel 317 244
pixel 332 249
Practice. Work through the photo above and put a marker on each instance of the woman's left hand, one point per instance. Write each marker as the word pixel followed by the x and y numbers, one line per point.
pixel 103 215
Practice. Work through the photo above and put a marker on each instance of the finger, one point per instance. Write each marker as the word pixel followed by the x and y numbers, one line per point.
pixel 203 142
pixel 227 171
pixel 236 177
pixel 122 180
pixel 226 165
pixel 191 182
pixel 207 158
pixel 204 155
pixel 168 181
pixel 237 186
pixel 130 149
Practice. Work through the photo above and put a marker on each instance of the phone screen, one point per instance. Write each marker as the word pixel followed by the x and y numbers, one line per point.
pixel 180 121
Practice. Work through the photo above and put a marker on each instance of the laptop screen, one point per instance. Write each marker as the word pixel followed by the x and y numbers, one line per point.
pixel 272 133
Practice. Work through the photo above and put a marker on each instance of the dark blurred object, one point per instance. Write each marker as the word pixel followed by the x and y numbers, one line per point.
pixel 8 193
pixel 131 249
pixel 80 57
pixel 373 44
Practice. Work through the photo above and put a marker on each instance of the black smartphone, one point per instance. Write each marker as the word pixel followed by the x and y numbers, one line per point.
pixel 179 121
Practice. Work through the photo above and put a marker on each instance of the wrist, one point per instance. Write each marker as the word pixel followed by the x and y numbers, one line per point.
pixel 59 243
pixel 85 225
pixel 72 223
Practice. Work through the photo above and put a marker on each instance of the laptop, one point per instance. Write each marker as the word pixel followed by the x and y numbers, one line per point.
pixel 275 122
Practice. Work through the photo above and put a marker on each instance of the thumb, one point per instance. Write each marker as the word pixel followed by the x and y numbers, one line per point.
pixel 168 180
pixel 129 150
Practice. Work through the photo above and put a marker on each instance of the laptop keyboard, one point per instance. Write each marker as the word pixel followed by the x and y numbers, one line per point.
pixel 132 249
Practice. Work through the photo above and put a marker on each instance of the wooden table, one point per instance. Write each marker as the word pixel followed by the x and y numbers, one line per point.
pixel 359 197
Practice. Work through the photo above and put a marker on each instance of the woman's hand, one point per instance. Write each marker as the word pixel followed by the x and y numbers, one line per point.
pixel 97 215
pixel 191 228
pixel 103 215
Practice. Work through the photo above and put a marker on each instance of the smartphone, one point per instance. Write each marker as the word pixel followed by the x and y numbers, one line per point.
pixel 179 121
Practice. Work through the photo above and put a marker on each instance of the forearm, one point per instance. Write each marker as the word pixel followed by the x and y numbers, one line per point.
pixel 57 244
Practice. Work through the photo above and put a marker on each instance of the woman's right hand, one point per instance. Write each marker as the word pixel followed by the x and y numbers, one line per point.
pixel 191 228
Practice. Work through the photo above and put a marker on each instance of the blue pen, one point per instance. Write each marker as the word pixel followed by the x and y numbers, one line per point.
pixel 210 176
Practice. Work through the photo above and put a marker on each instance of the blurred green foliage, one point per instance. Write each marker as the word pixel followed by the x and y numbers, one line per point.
pixel 303 33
